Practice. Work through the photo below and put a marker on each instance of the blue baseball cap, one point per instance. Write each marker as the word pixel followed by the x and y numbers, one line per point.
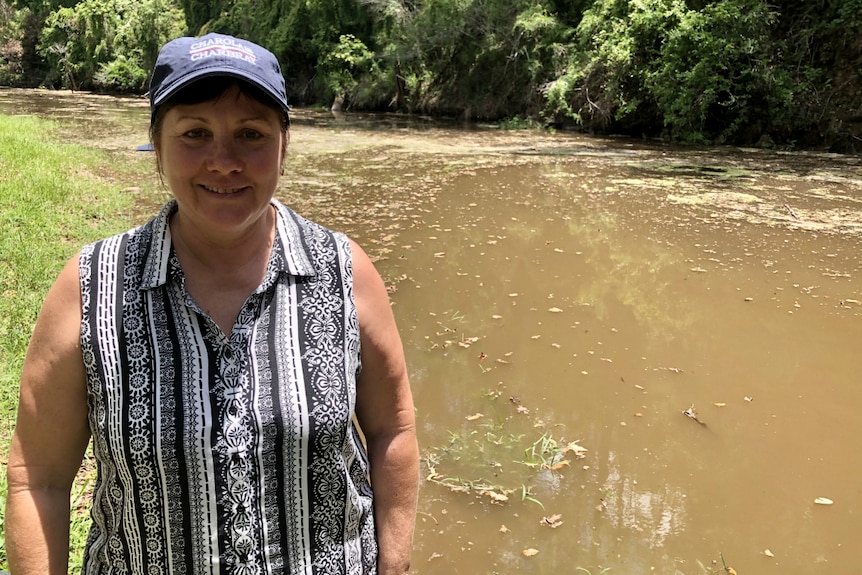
pixel 185 60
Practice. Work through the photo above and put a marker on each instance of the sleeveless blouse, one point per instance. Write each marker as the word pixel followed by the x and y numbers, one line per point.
pixel 225 453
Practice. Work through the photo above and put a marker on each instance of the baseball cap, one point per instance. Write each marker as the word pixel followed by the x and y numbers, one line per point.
pixel 185 60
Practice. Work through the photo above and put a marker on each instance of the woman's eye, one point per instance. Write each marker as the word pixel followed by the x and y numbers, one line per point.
pixel 251 134
pixel 194 134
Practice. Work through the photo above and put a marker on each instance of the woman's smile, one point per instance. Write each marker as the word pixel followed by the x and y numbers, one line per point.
pixel 222 161
pixel 223 191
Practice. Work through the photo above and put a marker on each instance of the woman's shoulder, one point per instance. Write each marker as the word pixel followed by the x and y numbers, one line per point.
pixel 141 251
pixel 305 225
pixel 156 226
pixel 308 242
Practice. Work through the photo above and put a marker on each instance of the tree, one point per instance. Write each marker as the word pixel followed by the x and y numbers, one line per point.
pixel 107 44
pixel 708 75
pixel 11 48
pixel 471 58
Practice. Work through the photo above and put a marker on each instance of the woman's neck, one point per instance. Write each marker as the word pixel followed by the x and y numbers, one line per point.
pixel 221 255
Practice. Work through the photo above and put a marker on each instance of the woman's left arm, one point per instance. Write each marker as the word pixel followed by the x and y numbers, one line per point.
pixel 384 409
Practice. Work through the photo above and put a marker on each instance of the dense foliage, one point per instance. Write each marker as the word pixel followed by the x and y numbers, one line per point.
pixel 746 71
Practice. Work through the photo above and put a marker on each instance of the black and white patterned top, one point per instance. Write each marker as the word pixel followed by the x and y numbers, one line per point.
pixel 225 454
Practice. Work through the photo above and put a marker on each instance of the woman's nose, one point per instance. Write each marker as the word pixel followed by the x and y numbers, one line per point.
pixel 225 156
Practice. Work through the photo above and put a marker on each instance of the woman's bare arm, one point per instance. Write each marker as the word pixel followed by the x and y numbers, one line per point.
pixel 50 435
pixel 384 408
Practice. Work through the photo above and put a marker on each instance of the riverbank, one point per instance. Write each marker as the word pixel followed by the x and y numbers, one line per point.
pixel 54 197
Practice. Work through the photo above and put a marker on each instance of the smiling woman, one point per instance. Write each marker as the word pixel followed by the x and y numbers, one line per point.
pixel 212 354
pixel 222 160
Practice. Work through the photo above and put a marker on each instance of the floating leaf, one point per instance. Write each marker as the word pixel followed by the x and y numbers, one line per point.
pixel 559 465
pixel 823 501
pixel 522 409
pixel 768 553
pixel 576 449
pixel 555 310
pixel 498 497
pixel 553 521
pixel 504 529
pixel 719 404
pixel 529 552
pixel 474 417
pixel 496 317
pixel 748 399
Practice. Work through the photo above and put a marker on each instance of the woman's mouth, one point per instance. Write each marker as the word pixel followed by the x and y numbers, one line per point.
pixel 222 190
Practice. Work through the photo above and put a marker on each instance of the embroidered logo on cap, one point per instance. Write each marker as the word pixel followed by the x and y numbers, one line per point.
pixel 228 47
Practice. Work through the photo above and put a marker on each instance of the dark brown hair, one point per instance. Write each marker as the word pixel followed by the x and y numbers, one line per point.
pixel 211 89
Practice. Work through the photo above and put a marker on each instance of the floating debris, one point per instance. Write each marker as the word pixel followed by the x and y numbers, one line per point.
pixel 495 496
pixel 691 413
pixel 552 521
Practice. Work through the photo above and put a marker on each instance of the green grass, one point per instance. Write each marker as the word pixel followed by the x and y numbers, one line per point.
pixel 54 197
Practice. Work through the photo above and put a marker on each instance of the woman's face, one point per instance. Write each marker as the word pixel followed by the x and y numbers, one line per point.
pixel 222 160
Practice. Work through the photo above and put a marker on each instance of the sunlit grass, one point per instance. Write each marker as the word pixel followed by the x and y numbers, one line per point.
pixel 52 201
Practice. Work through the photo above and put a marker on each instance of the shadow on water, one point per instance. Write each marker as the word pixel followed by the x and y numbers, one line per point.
pixel 564 300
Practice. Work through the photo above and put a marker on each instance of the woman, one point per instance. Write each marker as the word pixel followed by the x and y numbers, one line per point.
pixel 213 355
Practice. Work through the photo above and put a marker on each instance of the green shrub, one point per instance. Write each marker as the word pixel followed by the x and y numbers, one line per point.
pixel 706 75
pixel 121 74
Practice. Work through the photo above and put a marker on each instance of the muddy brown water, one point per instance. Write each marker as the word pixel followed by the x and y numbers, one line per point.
pixel 563 301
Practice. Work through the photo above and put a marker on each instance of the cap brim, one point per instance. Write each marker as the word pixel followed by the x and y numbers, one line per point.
pixel 217 71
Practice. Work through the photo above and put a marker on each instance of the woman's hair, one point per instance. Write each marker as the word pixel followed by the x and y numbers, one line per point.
pixel 211 89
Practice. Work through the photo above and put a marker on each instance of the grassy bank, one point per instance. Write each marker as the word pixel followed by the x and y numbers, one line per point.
pixel 54 197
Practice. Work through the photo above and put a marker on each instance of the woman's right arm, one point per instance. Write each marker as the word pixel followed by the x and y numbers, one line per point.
pixel 50 436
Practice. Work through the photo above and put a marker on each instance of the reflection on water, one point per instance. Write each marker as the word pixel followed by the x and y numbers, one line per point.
pixel 556 290
pixel 654 514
